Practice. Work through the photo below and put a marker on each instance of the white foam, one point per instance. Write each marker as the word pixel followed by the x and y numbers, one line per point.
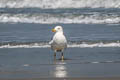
pixel 95 62
pixel 109 61
pixel 84 45
pixel 60 3
pixel 73 45
pixel 26 65
pixel 25 46
pixel 57 18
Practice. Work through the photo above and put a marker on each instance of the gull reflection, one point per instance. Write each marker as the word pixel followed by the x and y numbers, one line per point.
pixel 60 70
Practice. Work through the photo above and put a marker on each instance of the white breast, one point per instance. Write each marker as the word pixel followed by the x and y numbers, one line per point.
pixel 59 41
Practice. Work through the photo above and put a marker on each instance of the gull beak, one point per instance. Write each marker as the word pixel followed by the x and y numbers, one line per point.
pixel 53 30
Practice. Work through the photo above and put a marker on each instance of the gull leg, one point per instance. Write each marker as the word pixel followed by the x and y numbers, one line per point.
pixel 55 54
pixel 62 57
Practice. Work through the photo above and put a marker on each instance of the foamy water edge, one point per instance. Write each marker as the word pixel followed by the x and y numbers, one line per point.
pixel 73 45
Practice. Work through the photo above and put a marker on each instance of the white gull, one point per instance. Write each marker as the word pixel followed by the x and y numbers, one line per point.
pixel 58 42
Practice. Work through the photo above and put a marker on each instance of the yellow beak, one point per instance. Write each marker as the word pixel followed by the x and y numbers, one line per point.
pixel 53 30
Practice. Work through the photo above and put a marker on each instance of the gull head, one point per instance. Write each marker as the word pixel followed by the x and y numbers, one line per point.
pixel 57 29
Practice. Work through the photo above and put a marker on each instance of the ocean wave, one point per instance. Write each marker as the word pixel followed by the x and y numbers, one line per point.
pixel 53 4
pixel 65 18
pixel 70 45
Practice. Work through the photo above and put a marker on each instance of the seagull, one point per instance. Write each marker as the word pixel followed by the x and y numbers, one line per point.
pixel 58 42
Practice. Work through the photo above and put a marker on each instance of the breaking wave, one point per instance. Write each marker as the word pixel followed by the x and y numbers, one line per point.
pixel 53 4
pixel 70 45
pixel 66 18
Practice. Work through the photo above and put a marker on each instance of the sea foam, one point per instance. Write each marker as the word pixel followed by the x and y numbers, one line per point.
pixel 68 18
pixel 53 4
pixel 70 45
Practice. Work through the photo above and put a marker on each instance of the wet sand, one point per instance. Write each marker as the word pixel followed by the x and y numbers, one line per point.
pixel 79 64
pixel 99 78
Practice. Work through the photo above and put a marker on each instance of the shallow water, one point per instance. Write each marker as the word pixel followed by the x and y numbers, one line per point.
pixel 40 63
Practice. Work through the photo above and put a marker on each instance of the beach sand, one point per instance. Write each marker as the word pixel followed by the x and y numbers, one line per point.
pixel 79 64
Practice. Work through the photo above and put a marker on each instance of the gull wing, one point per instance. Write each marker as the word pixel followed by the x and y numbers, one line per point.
pixel 51 42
